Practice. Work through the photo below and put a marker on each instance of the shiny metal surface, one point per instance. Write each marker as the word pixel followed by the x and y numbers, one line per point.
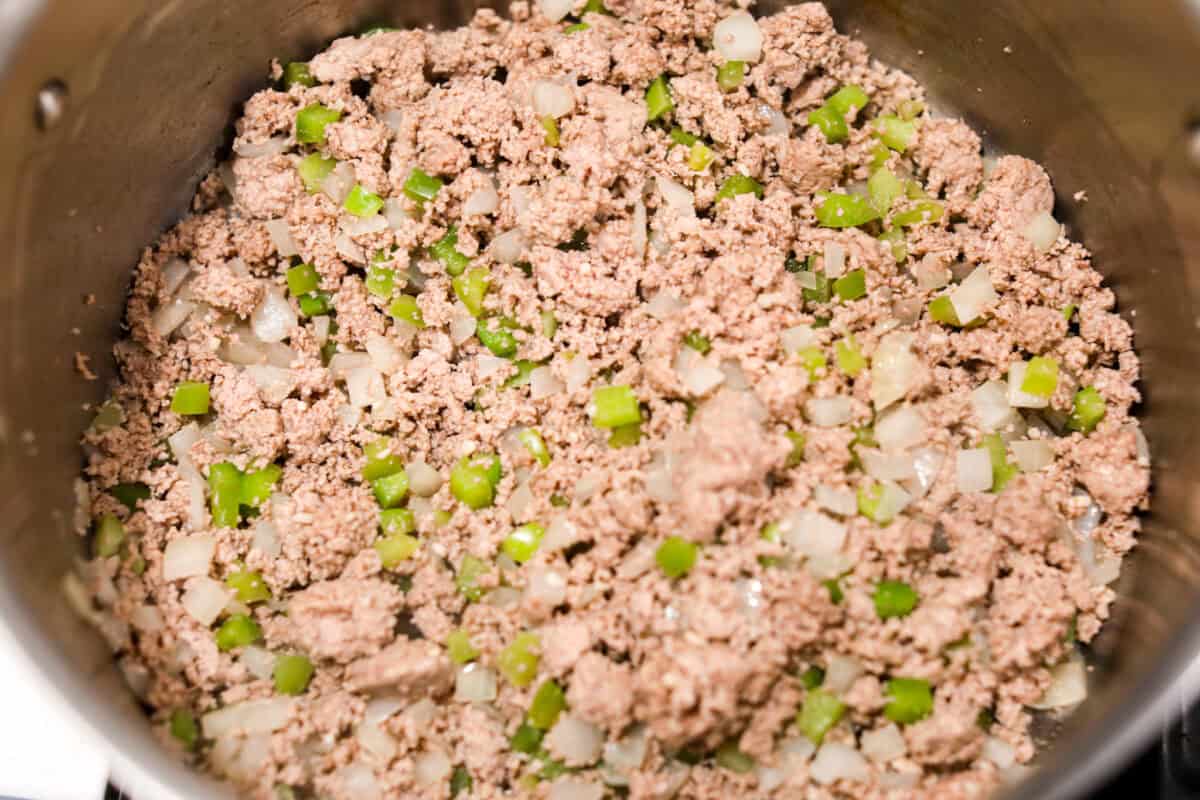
pixel 1104 94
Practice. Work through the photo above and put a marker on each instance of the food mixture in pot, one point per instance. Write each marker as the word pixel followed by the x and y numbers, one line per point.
pixel 631 399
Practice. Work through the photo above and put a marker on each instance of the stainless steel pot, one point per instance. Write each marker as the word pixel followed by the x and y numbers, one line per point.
pixel 114 108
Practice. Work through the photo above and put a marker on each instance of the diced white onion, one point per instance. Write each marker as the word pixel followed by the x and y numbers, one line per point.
pixel 900 428
pixel 999 752
pixel 637 227
pixel 320 328
pixel 974 470
pixel 339 182
pixel 777 122
pixel 735 378
pixel 377 742
pixel 146 618
pixel 828 412
pixel 484 200
pixel 927 462
pixel 393 118
pixel 663 304
pixel 265 538
pixel 395 213
pixel 345 362
pixel 931 272
pixel 836 761
pixel 488 365
pixel 677 197
pixel 1068 685
pixel 579 372
pixel 577 742
pixel 560 534
pixel 188 556
pixel 519 502
pixel 547 588
pixel 1018 398
pixel 432 767
pixel 271 147
pixel 424 480
pixel 503 597
pixel 570 788
pixel 973 296
pixel 738 38
pixel 1142 446
pixel 543 383
pixel 273 319
pixel 883 744
pixel 385 356
pixel 1042 231
pixel 797 338
pixel 698 374
pixel 890 466
pixel 170 315
pixel 475 683
pixel 508 246
pixel 353 225
pixel 990 402
pixel 555 10
pixel 204 599
pixel 893 369
pixel 462 325
pixel 839 501
pixel 281 237
pixel 1032 454
pixel 258 661
pixel 358 781
pixel 835 260
pixel 274 383
pixel 365 387
pixel 841 673
pixel 586 486
pixel 813 534
pixel 629 752
pixel 383 706
pixel 552 99
pixel 174 272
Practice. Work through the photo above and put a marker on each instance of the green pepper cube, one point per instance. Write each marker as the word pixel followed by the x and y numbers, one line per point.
pixel 292 674
pixel 680 136
pixel 303 279
pixel 519 661
pixel 459 647
pixel 460 781
pixel 850 359
pixel 471 287
pixel 225 494
pixel 625 436
pixel 527 739
pixel 190 399
pixel 390 490
pixel 237 631
pixel 700 157
pixel 184 728
pixel 496 337
pixel 248 585
pixel 813 361
pixel 363 203
pixel 311 122
pixel 466 580
pixel 536 445
pixel 798 440
pixel 446 252
pixel 730 75
pixel 1041 377
pixel 381 280
pixel 297 73
pixel 523 542
pixel 549 324
pixel 909 700
pixel 818 714
pixel 894 599
pixel 257 485
pixel 471 484
pixel 614 406
pixel 548 702
pixel 381 459
pixel 899 244
pixel 107 537
pixel 894 132
pixel 420 187
pixel 845 210
pixel 314 169
pixel 397 520
pixel 1002 471
pixel 834 587
pixel 731 758
pixel 698 342
pixel 923 212
pixel 884 188
pixel 676 556
pixel 550 125
pixel 658 99
pixel 942 310
pixel 1087 409
pixel 830 123
pixel 316 304
pixel 851 286
pixel 576 28
pixel 128 494
pixel 822 292
pixel 405 309
pixel 738 184
pixel 396 548
pixel 848 98
pixel 523 375
pixel 812 677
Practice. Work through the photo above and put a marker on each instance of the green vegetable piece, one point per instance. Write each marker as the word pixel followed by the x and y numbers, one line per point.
pixel 1002 475
pixel 445 250
pixel 680 136
pixel 382 459
pixel 698 342
pixel 491 466
pixel 466 580
pixel 107 537
pixel 910 109
pixel 315 305
pixel 460 781
pixel 1069 311
pixel 128 494
pixel 730 75
pixel 822 292
pixel 812 677
pixel 248 585
pixel 658 99
pixel 525 369
pixel 700 157
pixel 820 711
pixel 470 483
pixel 292 674
pixel 814 361
pixel 362 203
pixel 527 739
pixel 519 661
pixel 925 211
pixel 302 279
pixel 396 548
pixel 497 338
pixel 391 489
pixel 1041 377
pixel 523 542
pixel 879 155
pixel 405 309
pixel 894 132
pixel 311 121
pixel 381 280
pixel 848 98
pixel 535 444
pixel 831 123
pixel 549 124
pixel 184 728
pixel 190 398
pixel 738 184
pixel 899 245
pixel 595 7
pixel 237 631
pixel 894 599
pixel 297 73
pixel 676 556
pixel 314 169
pixel 257 485
pixel 850 359
pixel 852 285
pixel 459 647
pixel 471 287
pixel 225 494
pixel 548 702
pixel 942 310
pixel 1088 408
pixel 910 700
pixel 798 440
pixel 376 29
pixel 870 504
pixel 576 28
pixel 397 520
pixel 549 324
pixel 614 406
pixel 836 596
pixel 845 210
pixel 420 187
pixel 625 436
pixel 884 188
pixel 731 758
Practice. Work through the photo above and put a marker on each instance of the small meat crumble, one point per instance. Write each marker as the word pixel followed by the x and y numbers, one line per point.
pixel 645 400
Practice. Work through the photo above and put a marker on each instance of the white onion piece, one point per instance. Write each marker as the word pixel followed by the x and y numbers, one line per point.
pixel 828 412
pixel 362 226
pixel 1018 398
pixel 769 778
pixel 560 533
pixel 839 501
pixel 835 260
pixel 813 534
pixel 475 683
pixel 519 502
pixel 738 38
pixel 174 272
pixel 320 328
pixel 377 742
pixel 927 463
pixel 281 237
pixel 900 428
pixel 339 182
pixel 431 767
pixel 358 781
pixel 735 378
pixel 552 99
pixel 508 246
pixel 242 347
pixel 547 588
pixel 519 197
pixel 990 402
pixel 629 752
pixel 999 752
pixel 891 466
pixel 271 147
pixel 777 122
pixel 676 196
pixel 1068 686
pixel 796 751
pixel 841 673
pixel 797 338
pixel 424 480
pixel 893 369
pixel 555 10
pixel 543 383
pixel 385 356
pixel 365 387
pixel 1042 232
pixel 345 362
pixel 577 742
pixel 931 272
pixel 973 296
pixel 637 227
pixel 462 325
pixel 147 619
pixel 258 661
pixel 663 304
pixel 274 383
pixel 698 374
pixel 1032 454
pixel 836 761
pixel 586 486
pixel 188 556
pixel 488 365
pixel 273 319
pixel 579 372
pixel 395 213
pixel 484 200
pixel 204 599
pixel 393 118
pixel 383 706
pixel 883 744
pixel 170 315
pixel 974 470
pixel 569 788
pixel 251 717
pixel 503 597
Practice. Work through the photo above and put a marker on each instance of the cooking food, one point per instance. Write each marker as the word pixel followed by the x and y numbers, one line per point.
pixel 636 399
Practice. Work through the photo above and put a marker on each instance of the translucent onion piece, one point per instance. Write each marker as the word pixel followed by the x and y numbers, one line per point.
pixel 974 470
pixel 974 296
pixel 543 383
pixel 188 556
pixel 663 304
pixel 839 501
pixel 828 412
pixel 835 260
pixel 990 402
pixel 552 99
pixel 424 480
pixel 676 196
pixel 577 742
pixel 797 338
pixel 484 200
pixel 738 38
pixel 900 428
pixel 1068 685
pixel 893 369
pixel 508 246
pixel 273 319
pixel 841 673
pixel 1042 232
pixel 813 534
pixel 836 761
pixel 250 717
pixel 883 744
pixel 204 599
pixel 271 147
pixel 281 237
pixel 475 683
pixel 1032 454
pixel 258 661
pixel 170 315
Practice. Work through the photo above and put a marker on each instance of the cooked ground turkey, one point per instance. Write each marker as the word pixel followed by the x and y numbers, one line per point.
pixel 842 531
